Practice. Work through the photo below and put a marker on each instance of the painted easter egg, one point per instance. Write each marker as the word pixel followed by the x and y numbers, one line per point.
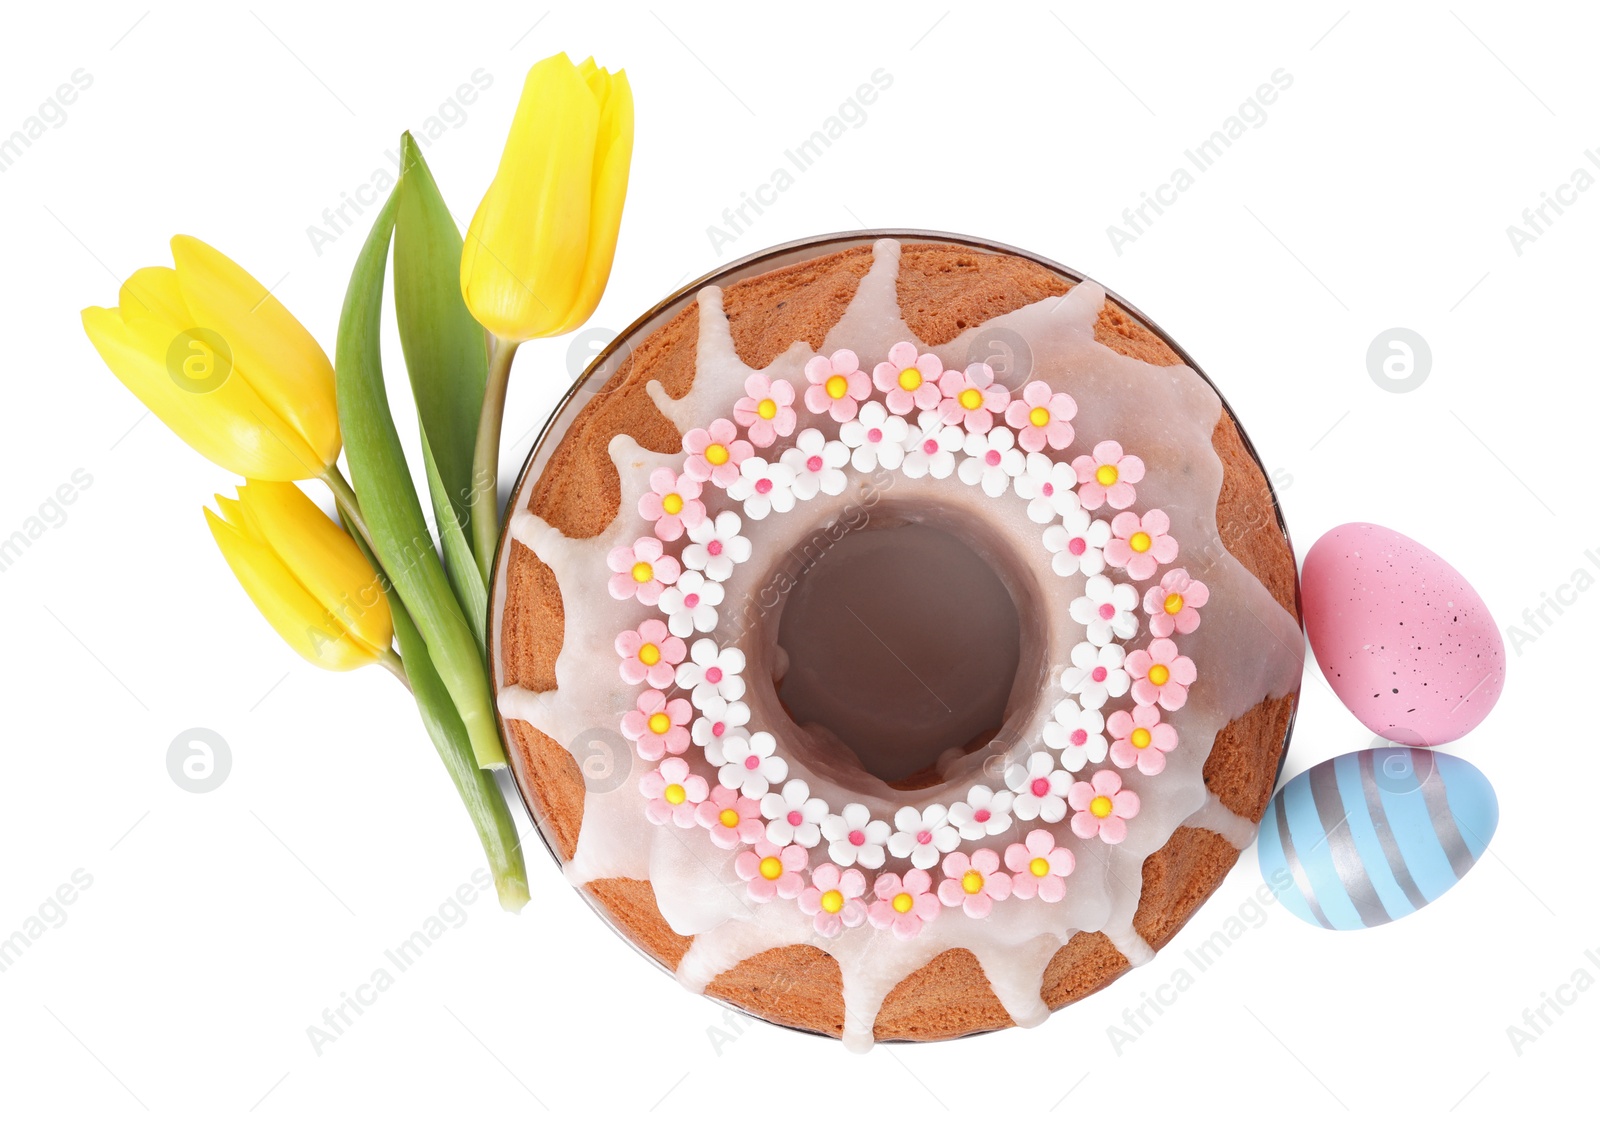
pixel 1400 635
pixel 1371 836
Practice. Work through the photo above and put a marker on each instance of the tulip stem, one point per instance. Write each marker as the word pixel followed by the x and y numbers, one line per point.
pixel 390 661
pixel 486 456
pixel 344 497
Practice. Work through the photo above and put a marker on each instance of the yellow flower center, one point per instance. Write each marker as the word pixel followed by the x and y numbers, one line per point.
pixel 716 454
pixel 1105 475
pixel 660 723
pixel 910 381
pixel 1140 542
pixel 675 793
pixel 1140 738
pixel 1038 866
pixel 970 398
pixel 1038 416
pixel 1100 807
pixel 902 902
pixel 1159 675
pixel 771 868
pixel 1173 604
pixel 673 503
pixel 729 817
pixel 972 882
pixel 767 410
pixel 837 386
pixel 832 901
pixel 642 571
pixel 649 654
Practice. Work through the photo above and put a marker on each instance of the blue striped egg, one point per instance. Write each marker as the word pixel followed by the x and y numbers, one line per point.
pixel 1371 836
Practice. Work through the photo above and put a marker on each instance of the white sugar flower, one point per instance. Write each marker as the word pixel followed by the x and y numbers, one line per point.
pixel 814 462
pixel 923 835
pixel 722 720
pixel 1041 789
pixel 712 672
pixel 993 460
pixel 1078 542
pixel 1048 487
pixel 1106 610
pixel 690 605
pixel 793 816
pixel 716 546
pixel 876 438
pixel 855 837
pixel 752 764
pixel 985 812
pixel 1096 674
pixel 1077 733
pixel 763 487
pixel 931 447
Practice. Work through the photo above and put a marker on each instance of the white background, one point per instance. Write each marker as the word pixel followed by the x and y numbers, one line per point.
pixel 219 926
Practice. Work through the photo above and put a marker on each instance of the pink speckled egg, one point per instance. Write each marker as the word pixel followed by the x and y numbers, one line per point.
pixel 1400 635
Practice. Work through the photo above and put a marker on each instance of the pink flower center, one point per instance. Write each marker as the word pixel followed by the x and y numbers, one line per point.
pixel 1040 786
pixel 1099 673
pixel 714 548
pixel 856 837
pixel 1076 547
pixel 1079 738
pixel 1107 611
pixel 751 763
pixel 992 458
pixel 930 446
pixel 981 814
pixel 874 435
pixel 692 600
pixel 1047 489
pixel 719 728
pixel 795 818
pixel 763 486
pixel 814 464
pixel 924 837
pixel 714 675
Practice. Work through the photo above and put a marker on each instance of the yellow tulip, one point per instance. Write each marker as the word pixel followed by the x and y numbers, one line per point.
pixel 223 364
pixel 539 250
pixel 305 574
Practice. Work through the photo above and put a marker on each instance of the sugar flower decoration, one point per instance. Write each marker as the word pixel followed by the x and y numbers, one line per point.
pixel 1077 733
pixel 875 438
pixel 985 812
pixel 1040 788
pixel 923 835
pixel 815 463
pixel 793 816
pixel 656 725
pixel 909 380
pixel 732 819
pixel 931 447
pixel 1174 605
pixel 1107 476
pixel 712 672
pixel 672 503
pixel 1048 487
pixel 902 904
pixel 992 460
pixel 834 900
pixel 1096 674
pixel 1142 740
pixel 1103 807
pixel 715 724
pixel 674 793
pixel 1041 416
pixel 690 605
pixel 971 398
pixel 763 487
pixel 838 385
pixel 715 452
pixel 751 764
pixel 973 883
pixel 855 837
pixel 1140 545
pixel 1106 610
pixel 1077 543
pixel 769 870
pixel 716 546
pixel 649 655
pixel 767 409
pixel 1161 676
pixel 1039 867
pixel 641 571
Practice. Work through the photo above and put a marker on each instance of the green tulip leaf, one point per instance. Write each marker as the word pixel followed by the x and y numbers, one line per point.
pixel 459 564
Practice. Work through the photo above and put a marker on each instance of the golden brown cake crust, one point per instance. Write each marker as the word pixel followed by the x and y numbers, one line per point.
pixel 943 290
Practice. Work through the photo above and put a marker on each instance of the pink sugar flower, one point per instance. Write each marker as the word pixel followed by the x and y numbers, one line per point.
pixel 732 819
pixel 656 725
pixel 971 398
pixel 903 904
pixel 672 503
pixel 649 654
pixel 1142 740
pixel 1042 416
pixel 715 452
pixel 838 385
pixel 908 380
pixel 1139 545
pixel 834 899
pixel 1173 606
pixel 767 409
pixel 1107 476
pixel 973 884
pixel 770 871
pixel 641 571
pixel 1039 867
pixel 1103 807
pixel 674 793
pixel 1161 676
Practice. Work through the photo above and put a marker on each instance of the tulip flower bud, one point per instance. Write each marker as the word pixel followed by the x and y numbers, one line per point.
pixel 223 364
pixel 305 574
pixel 538 253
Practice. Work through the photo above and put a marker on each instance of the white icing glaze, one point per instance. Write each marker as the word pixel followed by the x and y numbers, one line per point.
pixel 1248 648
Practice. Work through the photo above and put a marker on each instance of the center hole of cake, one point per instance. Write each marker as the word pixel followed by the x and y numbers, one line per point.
pixel 903 643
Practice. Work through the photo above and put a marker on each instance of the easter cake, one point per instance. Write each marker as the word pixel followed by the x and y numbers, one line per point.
pixel 896 639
